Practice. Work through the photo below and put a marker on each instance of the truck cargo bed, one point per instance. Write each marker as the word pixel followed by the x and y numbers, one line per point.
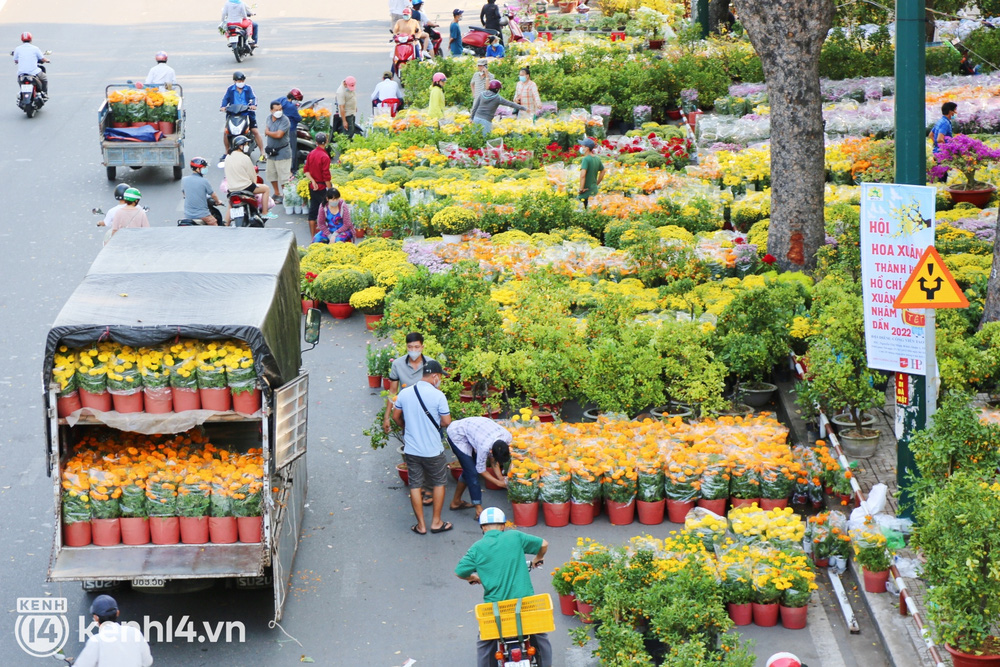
pixel 168 561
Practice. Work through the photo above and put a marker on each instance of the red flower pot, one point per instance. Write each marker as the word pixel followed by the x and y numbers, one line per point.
pixel 875 581
pixel 621 514
pixel 525 514
pixel 194 529
pixel 374 381
pixel 360 233
pixel 567 604
pixel 673 114
pixel 250 527
pixel 127 403
pixel 386 383
pixel 157 400
pixel 166 127
pixel 821 562
pixel 769 504
pixel 117 124
pixel 744 502
pixel 186 399
pixel 135 530
pixel 556 514
pixel 651 514
pixel 76 534
pixel 677 510
pixel 491 486
pixel 717 506
pixel 959 659
pixel 308 304
pixel 404 473
pixel 793 618
pixel 581 514
pixel 978 198
pixel 455 468
pixel 742 614
pixel 68 404
pixel 765 615
pixel 164 529
pixel 223 529
pixel 693 119
pixel 387 234
pixel 247 402
pixel 584 610
pixel 216 398
pixel 105 532
pixel 340 311
pixel 372 320
pixel 100 402
pixel 598 504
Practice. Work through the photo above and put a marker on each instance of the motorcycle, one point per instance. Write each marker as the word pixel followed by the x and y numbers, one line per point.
pixel 513 24
pixel 517 651
pixel 238 37
pixel 476 40
pixel 238 123
pixel 243 209
pixel 212 208
pixel 404 51
pixel 29 97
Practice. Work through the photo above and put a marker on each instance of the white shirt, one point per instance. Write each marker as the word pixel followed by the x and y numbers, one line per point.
pixel 110 217
pixel 387 89
pixel 160 74
pixel 234 12
pixel 115 645
pixel 397 6
pixel 27 56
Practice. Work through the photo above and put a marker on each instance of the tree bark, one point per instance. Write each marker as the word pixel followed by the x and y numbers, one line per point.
pixel 717 12
pixel 991 309
pixel 788 35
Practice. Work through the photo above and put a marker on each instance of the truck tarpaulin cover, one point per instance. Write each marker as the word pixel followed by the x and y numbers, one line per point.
pixel 148 286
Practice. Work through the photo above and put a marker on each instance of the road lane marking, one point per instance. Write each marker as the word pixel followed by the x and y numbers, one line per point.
pixel 823 639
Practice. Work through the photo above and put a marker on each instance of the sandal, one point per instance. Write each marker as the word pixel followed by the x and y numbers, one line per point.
pixel 414 529
pixel 463 506
pixel 446 526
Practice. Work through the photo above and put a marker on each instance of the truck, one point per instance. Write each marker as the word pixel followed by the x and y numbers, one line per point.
pixel 156 286
pixel 167 152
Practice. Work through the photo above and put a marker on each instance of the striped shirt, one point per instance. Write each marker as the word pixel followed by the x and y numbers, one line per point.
pixel 526 94
pixel 475 436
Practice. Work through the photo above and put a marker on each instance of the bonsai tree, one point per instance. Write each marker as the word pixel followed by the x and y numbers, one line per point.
pixel 623 373
pixel 691 373
pixel 967 155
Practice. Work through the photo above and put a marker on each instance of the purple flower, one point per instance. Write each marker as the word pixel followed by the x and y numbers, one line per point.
pixel 424 253
pixel 831 241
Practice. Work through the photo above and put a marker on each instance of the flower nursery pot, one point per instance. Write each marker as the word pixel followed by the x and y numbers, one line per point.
pixel 717 506
pixel 959 659
pixel 793 618
pixel 568 6
pixel 859 445
pixel 673 410
pixel 674 114
pixel 105 532
pixel 340 311
pixel 650 513
pixel 677 510
pixel 556 514
pixel 386 383
pixel 744 502
pixel 769 504
pixel 166 127
pixel 387 234
pixel 821 561
pixel 247 402
pixel 656 45
pixel 525 514
pixel 250 528
pixel 223 529
pixel 127 403
pixel 451 238
pixel 584 610
pixel 76 534
pixel 194 529
pixel 455 468
pixel 372 320
pixel 135 530
pixel 978 198
pixel 581 514
pixel 404 473
pixel 68 404
pixel 591 415
pixel 491 486
pixel 740 410
pixel 308 304
pixel 765 615
pixel 118 124
pixel 843 421
pixel 758 394
pixel 289 209
pixel 875 581
pixel 217 398
pixel 374 381
pixel 157 400
pixel 186 399
pixel 692 119
pixel 741 614
pixel 567 604
pixel 621 514
pixel 360 233
pixel 164 529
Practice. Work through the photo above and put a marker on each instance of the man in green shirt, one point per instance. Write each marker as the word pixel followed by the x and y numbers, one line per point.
pixel 497 562
pixel 591 171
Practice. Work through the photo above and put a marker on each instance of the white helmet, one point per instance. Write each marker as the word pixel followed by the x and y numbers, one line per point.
pixel 783 660
pixel 492 515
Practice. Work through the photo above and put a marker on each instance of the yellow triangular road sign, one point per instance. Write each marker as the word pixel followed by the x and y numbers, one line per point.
pixel 931 285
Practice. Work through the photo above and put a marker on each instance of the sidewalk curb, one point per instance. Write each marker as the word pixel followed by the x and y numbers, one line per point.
pixel 901 641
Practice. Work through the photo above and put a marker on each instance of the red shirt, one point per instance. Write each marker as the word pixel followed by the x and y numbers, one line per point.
pixel 318 166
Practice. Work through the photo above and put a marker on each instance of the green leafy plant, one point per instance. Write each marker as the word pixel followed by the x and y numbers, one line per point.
pixel 453 220
pixel 337 284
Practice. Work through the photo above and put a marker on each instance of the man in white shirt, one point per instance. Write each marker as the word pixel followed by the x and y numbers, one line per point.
pixel 396 8
pixel 387 89
pixel 161 74
pixel 28 57
pixel 115 644
pixel 235 11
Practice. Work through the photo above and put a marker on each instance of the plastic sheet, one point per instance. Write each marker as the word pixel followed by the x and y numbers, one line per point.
pixel 146 423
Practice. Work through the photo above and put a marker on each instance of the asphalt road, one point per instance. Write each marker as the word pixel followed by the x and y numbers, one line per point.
pixel 366 590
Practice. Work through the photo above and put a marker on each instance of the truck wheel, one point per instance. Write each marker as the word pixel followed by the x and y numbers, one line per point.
pixel 178 172
pixel 111 173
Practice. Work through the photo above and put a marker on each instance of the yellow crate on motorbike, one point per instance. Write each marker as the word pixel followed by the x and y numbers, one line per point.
pixel 536 617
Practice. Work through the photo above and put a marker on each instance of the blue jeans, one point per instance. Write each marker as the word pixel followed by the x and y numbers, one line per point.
pixel 484 125
pixel 469 474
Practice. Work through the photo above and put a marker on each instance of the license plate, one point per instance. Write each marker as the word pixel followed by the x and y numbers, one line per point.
pixel 262 581
pixel 149 582
pixel 237 212
pixel 519 663
pixel 233 39
pixel 26 88
pixel 99 585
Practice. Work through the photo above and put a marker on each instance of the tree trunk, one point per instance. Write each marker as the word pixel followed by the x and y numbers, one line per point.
pixel 718 10
pixel 788 35
pixel 991 309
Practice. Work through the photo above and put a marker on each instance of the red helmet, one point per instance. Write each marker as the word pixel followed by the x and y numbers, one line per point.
pixel 25 36
pixel 161 56
pixel 494 85
pixel 199 163
pixel 295 94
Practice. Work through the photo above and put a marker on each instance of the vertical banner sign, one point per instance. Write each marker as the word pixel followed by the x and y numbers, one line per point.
pixel 897 225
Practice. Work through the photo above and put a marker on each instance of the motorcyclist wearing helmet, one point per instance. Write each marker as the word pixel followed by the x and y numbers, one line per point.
pixel 131 216
pixel 28 57
pixel 497 562
pixel 119 197
pixel 408 26
pixel 196 191
pixel 161 74
pixel 236 11
pixel 420 16
pixel 241 175
pixel 241 93
pixel 485 106
pixel 290 107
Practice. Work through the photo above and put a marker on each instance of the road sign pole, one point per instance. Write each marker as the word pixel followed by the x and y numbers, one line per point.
pixel 911 151
pixel 931 378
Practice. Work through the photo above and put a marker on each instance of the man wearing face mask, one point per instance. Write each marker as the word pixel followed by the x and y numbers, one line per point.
pixel 278 149
pixel 421 410
pixel 241 175
pixel 591 171
pixel 405 371
pixel 241 93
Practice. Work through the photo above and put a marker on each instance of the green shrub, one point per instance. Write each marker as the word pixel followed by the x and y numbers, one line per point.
pixel 942 60
pixel 398 175
pixel 617 228
pixel 453 220
pixel 337 284
pixel 984 47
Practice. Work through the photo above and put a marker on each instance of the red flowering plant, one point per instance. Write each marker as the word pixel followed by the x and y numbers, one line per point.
pixel 306 285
